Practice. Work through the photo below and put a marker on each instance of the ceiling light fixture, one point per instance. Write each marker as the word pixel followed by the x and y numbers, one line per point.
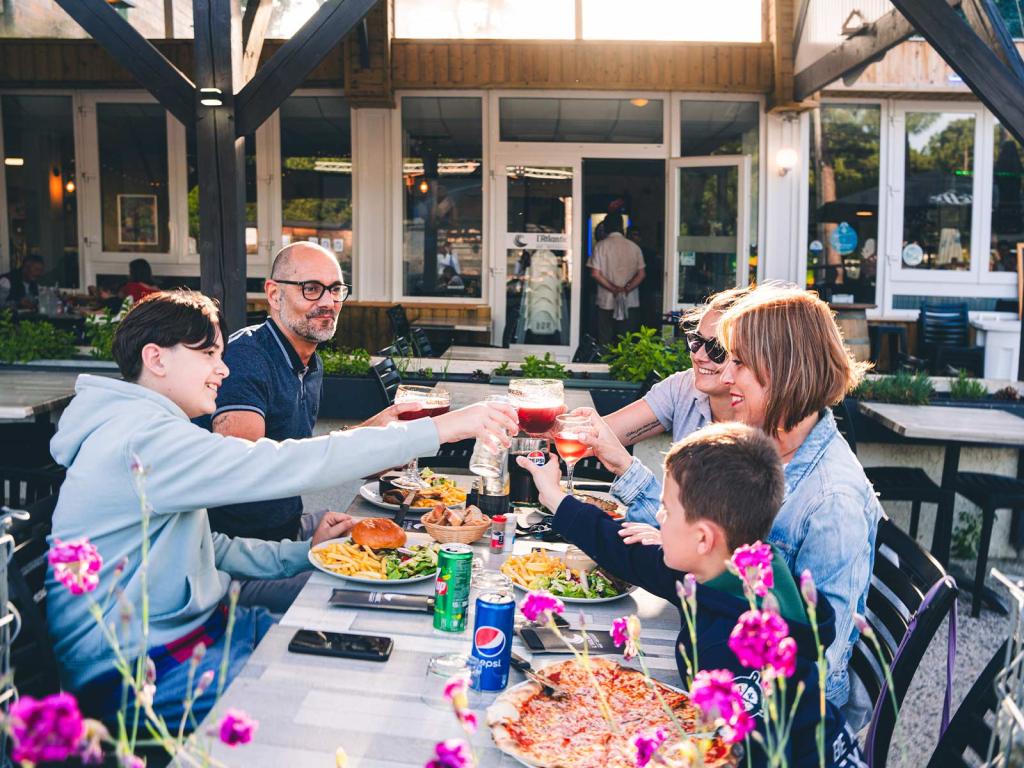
pixel 211 97
pixel 17 161
pixel 639 102
pixel 786 160
pixel 70 187
pixel 424 187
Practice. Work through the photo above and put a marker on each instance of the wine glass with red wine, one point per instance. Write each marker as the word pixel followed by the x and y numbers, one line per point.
pixel 539 401
pixel 567 442
pixel 431 402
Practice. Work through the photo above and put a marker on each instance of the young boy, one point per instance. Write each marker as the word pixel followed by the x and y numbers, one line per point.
pixel 168 349
pixel 723 486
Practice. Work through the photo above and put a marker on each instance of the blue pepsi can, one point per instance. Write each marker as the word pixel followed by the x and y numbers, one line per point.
pixel 492 641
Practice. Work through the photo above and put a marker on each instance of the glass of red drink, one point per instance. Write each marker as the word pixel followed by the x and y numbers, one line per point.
pixel 567 442
pixel 539 401
pixel 431 402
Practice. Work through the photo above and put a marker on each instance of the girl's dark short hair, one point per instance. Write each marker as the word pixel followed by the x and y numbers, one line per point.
pixel 140 271
pixel 166 318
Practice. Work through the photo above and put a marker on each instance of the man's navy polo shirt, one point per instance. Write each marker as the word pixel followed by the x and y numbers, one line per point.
pixel 267 377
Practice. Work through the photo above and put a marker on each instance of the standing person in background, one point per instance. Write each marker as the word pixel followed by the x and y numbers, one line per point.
pixel 140 281
pixel 274 391
pixel 19 288
pixel 618 268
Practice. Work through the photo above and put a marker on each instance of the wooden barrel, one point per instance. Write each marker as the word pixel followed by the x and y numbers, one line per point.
pixel 853 322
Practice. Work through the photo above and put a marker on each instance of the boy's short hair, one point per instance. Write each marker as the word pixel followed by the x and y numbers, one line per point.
pixel 166 318
pixel 729 474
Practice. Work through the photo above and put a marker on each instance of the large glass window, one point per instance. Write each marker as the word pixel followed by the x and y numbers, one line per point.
pixel 938 190
pixel 316 175
pixel 608 121
pixel 191 160
pixel 727 128
pixel 510 19
pixel 690 20
pixel 442 172
pixel 39 161
pixel 842 237
pixel 1007 201
pixel 133 177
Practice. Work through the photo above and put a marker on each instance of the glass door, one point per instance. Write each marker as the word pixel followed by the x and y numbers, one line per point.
pixel 537 273
pixel 710 226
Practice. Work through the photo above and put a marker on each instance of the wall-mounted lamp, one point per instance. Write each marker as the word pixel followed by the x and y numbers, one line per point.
pixel 786 160
pixel 424 187
pixel 639 102
pixel 211 97
pixel 70 187
pixel 16 161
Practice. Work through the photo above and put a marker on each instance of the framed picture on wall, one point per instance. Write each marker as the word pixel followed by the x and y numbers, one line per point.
pixel 136 220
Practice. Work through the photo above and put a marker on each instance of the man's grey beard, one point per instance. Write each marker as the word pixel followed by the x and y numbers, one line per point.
pixel 305 325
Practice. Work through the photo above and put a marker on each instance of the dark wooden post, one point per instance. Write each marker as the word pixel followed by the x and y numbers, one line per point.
pixel 221 157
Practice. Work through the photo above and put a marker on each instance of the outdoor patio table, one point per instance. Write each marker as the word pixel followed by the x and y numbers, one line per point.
pixel 308 705
pixel 466 393
pixel 27 394
pixel 953 428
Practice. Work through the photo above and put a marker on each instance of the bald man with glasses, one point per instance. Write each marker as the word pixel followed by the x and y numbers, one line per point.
pixel 274 391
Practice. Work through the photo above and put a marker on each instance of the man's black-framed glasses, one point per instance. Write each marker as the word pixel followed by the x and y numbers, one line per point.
pixel 312 290
pixel 714 350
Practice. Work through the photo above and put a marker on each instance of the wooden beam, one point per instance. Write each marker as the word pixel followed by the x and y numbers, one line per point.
pixel 136 54
pixel 255 24
pixel 990 80
pixel 985 19
pixel 853 54
pixel 220 158
pixel 286 71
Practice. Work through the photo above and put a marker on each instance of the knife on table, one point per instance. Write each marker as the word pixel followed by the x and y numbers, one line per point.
pixel 527 669
pixel 403 510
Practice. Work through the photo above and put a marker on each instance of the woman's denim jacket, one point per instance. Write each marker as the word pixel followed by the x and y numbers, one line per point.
pixel 826 525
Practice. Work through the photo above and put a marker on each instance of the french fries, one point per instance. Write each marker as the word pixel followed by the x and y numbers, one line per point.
pixel 524 570
pixel 350 559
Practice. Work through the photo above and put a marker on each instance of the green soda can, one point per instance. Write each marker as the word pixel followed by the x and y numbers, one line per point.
pixel 451 589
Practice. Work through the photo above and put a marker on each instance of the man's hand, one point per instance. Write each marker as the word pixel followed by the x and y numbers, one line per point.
pixel 389 414
pixel 547 479
pixel 332 526
pixel 603 443
pixel 499 421
pixel 640 533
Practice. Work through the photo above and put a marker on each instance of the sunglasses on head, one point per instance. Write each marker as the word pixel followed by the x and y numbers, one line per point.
pixel 714 350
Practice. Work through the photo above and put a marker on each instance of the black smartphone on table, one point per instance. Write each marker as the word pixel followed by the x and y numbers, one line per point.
pixel 346 646
pixel 544 640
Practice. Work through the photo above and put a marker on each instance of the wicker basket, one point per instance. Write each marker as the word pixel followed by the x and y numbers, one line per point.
pixel 463 534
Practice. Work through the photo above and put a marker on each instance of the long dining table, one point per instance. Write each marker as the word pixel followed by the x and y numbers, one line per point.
pixel 308 706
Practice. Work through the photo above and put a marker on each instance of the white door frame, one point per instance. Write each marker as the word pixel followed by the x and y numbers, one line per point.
pixel 498 268
pixel 742 165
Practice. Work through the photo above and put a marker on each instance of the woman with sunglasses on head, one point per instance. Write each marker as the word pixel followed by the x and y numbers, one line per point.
pixel 787 364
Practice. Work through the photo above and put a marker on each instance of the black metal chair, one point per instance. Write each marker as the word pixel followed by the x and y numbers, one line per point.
pixel 589 351
pixel 388 377
pixel 893 483
pixel 943 331
pixel 32 657
pixel 20 486
pixel 451 456
pixel 26 444
pixel 421 343
pixel 400 347
pixel 990 492
pixel 967 738
pixel 399 321
pixel 909 597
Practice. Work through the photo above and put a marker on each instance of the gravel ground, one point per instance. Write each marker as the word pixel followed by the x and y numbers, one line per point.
pixel 917 729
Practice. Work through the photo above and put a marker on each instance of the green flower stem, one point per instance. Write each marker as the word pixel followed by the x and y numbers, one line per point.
pixel 691 628
pixel 822 672
pixel 888 674
pixel 657 693
pixel 226 658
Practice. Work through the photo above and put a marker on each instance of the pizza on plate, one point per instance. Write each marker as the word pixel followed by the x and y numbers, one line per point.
pixel 571 732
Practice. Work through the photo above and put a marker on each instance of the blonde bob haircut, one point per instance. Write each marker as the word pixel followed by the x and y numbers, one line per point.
pixel 716 302
pixel 789 339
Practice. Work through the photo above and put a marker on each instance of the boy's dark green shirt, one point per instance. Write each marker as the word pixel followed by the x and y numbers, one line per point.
pixel 786 591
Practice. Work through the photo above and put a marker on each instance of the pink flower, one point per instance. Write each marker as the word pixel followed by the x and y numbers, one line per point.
pixel 753 564
pixel 94 733
pixel 451 753
pixel 47 730
pixel 687 588
pixel 626 632
pixel 455 689
pixel 721 703
pixel 540 605
pixel 756 640
pixel 784 663
pixel 808 589
pixel 237 727
pixel 862 626
pixel 455 692
pixel 76 565
pixel 205 680
pixel 647 744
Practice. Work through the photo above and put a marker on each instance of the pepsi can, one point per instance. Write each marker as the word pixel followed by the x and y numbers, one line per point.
pixel 492 641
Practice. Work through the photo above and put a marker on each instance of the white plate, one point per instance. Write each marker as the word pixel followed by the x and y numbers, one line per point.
pixel 588 601
pixel 412 538
pixel 371 492
pixel 604 496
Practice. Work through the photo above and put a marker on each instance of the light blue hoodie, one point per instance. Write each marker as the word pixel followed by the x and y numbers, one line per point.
pixel 188 469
